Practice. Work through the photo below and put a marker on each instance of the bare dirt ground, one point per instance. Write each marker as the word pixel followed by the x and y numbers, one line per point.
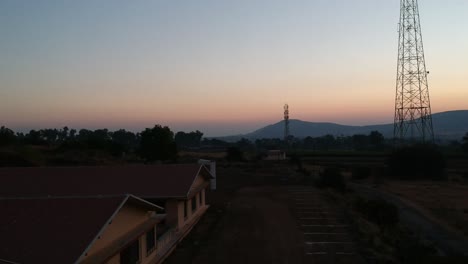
pixel 254 218
pixel 256 226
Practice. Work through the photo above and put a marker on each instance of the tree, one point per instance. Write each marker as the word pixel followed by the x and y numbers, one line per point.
pixel 63 134
pixel 34 138
pixel 49 135
pixel 244 144
pixel 234 154
pixel 465 143
pixel 72 134
pixel 326 142
pixel 158 143
pixel 188 140
pixel 214 143
pixel 123 141
pixel 7 136
pixel 360 142
pixel 376 139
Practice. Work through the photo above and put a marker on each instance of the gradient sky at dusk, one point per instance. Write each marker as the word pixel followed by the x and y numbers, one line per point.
pixel 222 67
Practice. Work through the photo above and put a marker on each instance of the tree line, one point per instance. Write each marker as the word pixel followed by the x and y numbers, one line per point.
pixel 158 143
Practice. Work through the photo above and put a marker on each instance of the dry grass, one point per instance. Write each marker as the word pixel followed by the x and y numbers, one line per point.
pixel 205 155
pixel 447 202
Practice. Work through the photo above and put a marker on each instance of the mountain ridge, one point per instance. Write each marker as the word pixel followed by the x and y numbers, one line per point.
pixel 448 125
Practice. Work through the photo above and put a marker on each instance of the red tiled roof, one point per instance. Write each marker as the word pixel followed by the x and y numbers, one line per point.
pixel 51 230
pixel 146 181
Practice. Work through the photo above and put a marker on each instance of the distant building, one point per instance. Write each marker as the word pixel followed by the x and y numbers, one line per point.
pixel 98 214
pixel 275 155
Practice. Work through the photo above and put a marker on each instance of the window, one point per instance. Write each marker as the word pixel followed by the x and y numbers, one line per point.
pixel 150 241
pixel 185 209
pixel 194 204
pixel 199 198
pixel 131 255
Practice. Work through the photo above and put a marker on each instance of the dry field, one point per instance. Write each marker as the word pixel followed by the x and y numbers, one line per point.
pixel 445 202
pixel 214 155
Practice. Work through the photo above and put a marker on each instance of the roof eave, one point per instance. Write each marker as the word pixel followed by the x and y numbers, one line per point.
pixel 103 228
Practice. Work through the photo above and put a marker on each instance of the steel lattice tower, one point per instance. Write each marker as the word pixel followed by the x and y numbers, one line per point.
pixel 286 122
pixel 413 118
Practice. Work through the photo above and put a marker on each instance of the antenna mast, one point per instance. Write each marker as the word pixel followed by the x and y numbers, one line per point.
pixel 286 122
pixel 412 105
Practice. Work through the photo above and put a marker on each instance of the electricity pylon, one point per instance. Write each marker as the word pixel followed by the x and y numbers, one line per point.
pixel 413 118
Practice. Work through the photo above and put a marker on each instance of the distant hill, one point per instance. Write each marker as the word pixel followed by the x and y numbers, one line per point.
pixel 451 125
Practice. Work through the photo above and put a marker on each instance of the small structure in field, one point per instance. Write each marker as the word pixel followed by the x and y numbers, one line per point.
pixel 275 154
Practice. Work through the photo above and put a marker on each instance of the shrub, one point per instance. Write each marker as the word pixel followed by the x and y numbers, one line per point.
pixel 417 162
pixel 234 154
pixel 332 178
pixel 378 211
pixel 360 173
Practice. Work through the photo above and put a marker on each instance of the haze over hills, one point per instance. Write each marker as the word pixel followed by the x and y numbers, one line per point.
pixel 450 125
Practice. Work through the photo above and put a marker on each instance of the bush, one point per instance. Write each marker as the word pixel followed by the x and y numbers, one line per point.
pixel 360 173
pixel 378 211
pixel 332 178
pixel 234 154
pixel 417 162
pixel 411 249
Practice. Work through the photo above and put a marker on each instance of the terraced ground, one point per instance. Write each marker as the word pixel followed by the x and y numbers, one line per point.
pixel 326 233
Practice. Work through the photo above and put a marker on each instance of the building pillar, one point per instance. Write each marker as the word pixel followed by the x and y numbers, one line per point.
pixel 203 201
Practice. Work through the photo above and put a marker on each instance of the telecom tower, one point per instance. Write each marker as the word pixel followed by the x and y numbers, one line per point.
pixel 413 118
pixel 286 122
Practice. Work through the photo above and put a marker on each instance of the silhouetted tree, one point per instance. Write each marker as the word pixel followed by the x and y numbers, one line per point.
pixel 465 143
pixel 72 134
pixel 269 143
pixel 83 135
pixel 244 144
pixel 7 136
pixel 188 140
pixel 63 134
pixel 97 139
pixel 158 143
pixel 326 142
pixel 34 138
pixel 123 141
pixel 213 142
pixel 234 154
pixel 376 139
pixel 360 142
pixel 49 135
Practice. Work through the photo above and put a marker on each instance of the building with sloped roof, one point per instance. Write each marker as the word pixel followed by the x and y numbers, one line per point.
pixel 77 195
pixel 72 230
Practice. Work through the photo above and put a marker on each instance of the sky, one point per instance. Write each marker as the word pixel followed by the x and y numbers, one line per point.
pixel 219 66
